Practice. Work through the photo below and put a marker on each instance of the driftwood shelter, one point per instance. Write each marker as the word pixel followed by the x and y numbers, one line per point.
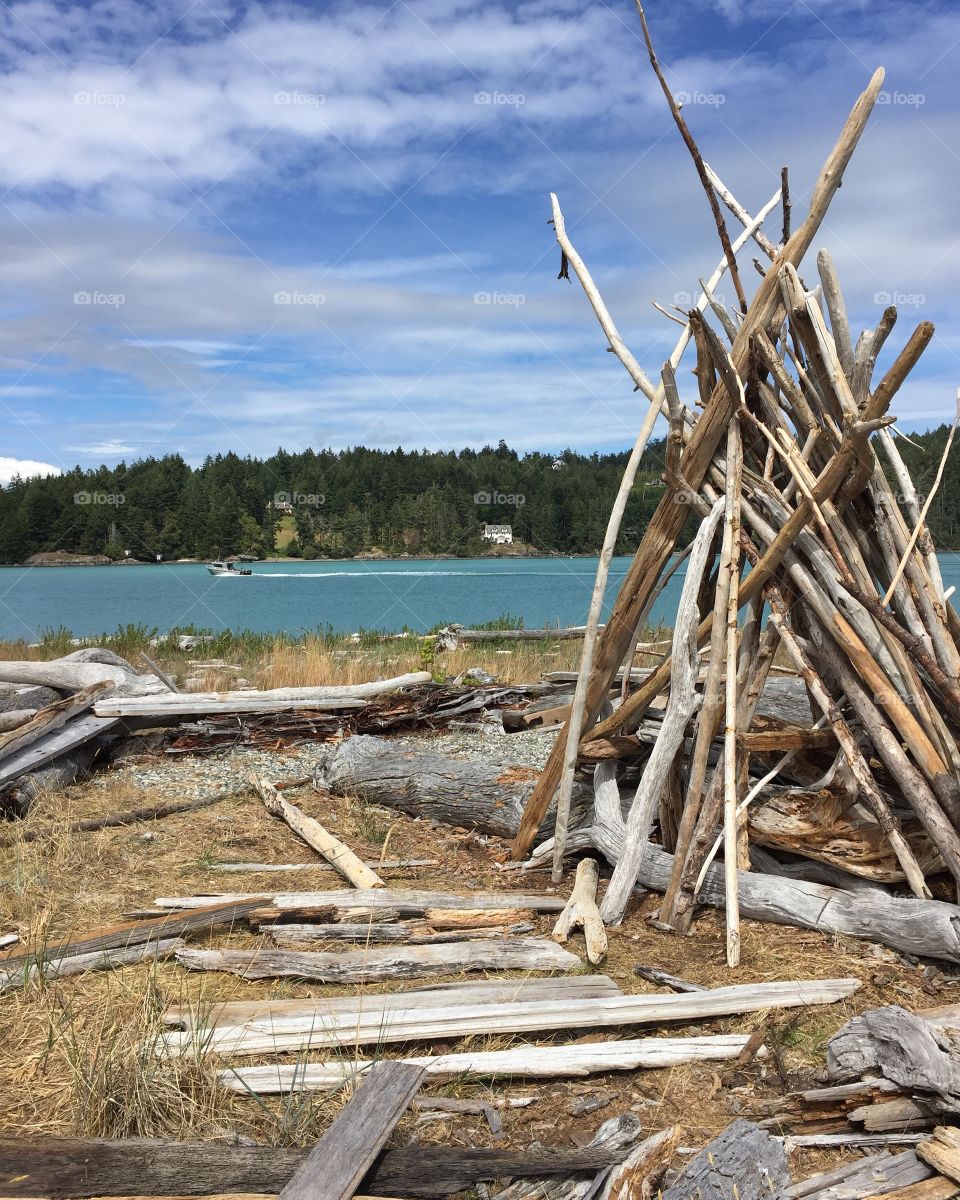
pixel 802 731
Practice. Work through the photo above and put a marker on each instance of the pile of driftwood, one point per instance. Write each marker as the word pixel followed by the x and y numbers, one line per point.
pixel 802 548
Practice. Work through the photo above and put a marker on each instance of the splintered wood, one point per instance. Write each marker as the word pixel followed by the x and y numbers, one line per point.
pixel 786 466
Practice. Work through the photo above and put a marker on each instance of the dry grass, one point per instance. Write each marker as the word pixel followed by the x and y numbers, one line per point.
pixel 72 1056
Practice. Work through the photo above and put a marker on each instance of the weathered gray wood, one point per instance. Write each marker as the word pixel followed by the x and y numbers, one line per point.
pixel 872 1176
pixel 282 1034
pixel 51 718
pixel 744 1161
pixel 407 902
pixel 54 744
pixel 335 1166
pixel 387 864
pixel 430 996
pixel 473 795
pixel 897 1045
pixel 619 1134
pixel 664 979
pixel 163 703
pixel 76 964
pixel 372 768
pixel 518 1062
pixel 80 1167
pixel 71 674
pixel 402 962
pixel 13 718
pixel 132 933
pixel 411 933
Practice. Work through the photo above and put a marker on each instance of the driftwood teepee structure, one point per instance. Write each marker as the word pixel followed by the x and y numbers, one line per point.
pixel 803 550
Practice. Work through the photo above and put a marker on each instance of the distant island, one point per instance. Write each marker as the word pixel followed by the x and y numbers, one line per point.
pixel 362 502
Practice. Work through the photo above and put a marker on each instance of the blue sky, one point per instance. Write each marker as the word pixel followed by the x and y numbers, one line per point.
pixel 235 226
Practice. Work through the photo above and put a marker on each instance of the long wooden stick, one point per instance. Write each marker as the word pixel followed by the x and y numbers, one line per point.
pixel 732 565
pixel 313 833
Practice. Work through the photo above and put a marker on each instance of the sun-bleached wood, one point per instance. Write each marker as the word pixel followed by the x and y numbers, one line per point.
pixel 285 1034
pixel 581 912
pixel 520 1062
pixel 337 853
pixel 408 903
pixel 77 964
pixel 317 1008
pixel 385 962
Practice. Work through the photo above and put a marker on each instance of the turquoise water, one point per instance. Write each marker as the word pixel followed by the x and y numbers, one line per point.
pixel 297 596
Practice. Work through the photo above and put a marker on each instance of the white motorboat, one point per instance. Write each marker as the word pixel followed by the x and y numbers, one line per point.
pixel 221 567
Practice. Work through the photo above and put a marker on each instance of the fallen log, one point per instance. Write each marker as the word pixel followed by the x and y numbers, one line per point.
pixel 403 962
pixel 282 1034
pixel 744 1161
pixel 64 1168
pixel 371 767
pixel 72 675
pixel 163 703
pixel 473 795
pixel 518 1062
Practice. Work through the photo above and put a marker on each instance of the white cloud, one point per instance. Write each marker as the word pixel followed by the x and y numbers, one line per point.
pixel 10 468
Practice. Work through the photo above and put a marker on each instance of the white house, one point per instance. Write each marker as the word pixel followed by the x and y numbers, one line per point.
pixel 500 535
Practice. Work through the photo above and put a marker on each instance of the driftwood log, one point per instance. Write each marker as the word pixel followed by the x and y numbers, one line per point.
pixel 422 785
pixel 744 1161
pixel 82 1167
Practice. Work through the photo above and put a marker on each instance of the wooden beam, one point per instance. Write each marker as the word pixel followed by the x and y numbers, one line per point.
pixel 336 1165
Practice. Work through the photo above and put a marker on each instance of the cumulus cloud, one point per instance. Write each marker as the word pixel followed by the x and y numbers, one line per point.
pixel 25 468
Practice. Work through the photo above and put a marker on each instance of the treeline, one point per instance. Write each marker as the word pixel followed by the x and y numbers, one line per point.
pixel 322 503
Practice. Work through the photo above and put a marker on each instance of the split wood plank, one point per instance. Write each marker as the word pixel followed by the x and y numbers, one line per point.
pixel 937 1187
pixel 942 1152
pixel 337 853
pixel 336 1165
pixel 411 933
pixel 53 744
pixel 53 717
pixel 131 933
pixel 77 964
pixel 87 1167
pixel 408 903
pixel 493 992
pixel 387 962
pixel 281 1034
pixel 519 1062
pixel 387 864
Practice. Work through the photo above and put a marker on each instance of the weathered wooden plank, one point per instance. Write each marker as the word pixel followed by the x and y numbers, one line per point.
pixel 942 1152
pixel 51 718
pixel 54 744
pixel 744 1161
pixel 881 1174
pixel 77 964
pixel 295 1033
pixel 85 1167
pixel 387 962
pixel 318 1008
pixel 518 1062
pixel 131 933
pixel 408 903
pixel 335 1166
pixel 387 864
pixel 410 933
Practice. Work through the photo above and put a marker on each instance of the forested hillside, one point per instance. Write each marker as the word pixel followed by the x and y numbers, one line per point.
pixel 320 503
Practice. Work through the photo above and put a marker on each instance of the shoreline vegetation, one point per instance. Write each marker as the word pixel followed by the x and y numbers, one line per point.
pixel 199 660
pixel 367 503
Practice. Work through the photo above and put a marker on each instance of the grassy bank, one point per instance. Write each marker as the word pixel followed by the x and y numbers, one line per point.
pixel 223 660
